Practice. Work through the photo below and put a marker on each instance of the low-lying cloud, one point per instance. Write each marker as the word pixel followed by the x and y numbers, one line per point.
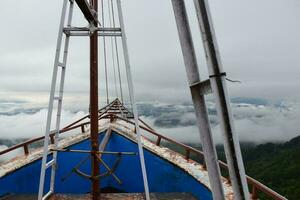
pixel 28 125
pixel 256 120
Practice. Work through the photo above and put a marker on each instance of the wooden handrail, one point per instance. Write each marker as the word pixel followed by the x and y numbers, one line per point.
pixel 256 185
pixel 105 108
pixel 251 181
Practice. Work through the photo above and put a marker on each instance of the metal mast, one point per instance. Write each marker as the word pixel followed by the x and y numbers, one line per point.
pixel 216 84
pixel 94 103
pixel 132 98
pixel 192 71
pixel 90 12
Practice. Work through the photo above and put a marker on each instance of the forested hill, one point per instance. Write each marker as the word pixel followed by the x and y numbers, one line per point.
pixel 275 165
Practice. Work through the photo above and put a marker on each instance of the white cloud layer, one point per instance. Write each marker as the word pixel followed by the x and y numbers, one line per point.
pixel 253 123
pixel 31 125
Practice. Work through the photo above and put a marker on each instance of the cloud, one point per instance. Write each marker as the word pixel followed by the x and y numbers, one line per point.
pixel 259 47
pixel 275 122
pixel 25 125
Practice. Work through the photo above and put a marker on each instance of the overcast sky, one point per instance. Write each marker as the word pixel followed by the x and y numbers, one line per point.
pixel 258 39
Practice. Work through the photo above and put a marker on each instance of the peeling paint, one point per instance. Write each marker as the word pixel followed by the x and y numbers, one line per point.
pixel 127 196
pixel 20 161
pixel 193 168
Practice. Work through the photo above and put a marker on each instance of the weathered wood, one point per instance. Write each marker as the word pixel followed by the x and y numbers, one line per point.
pixel 187 154
pixel 26 150
pixel 88 12
pixel 158 141
pixel 105 140
pixel 110 196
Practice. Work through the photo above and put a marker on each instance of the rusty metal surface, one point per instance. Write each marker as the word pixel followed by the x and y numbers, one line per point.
pixel 110 196
pixel 94 105
pixel 129 196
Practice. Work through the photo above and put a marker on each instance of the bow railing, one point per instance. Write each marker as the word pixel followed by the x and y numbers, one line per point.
pixel 256 186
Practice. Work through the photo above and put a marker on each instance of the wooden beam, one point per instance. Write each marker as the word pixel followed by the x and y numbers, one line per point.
pixel 88 12
pixel 105 140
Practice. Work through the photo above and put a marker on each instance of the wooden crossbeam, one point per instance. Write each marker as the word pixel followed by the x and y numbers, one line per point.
pixel 88 12
pixel 105 140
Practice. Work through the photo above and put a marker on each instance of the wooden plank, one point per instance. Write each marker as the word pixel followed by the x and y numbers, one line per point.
pixel 88 13
pixel 105 140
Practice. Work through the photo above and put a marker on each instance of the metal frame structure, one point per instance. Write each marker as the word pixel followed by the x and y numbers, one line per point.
pixel 132 98
pixel 215 84
pixel 90 12
pixel 218 87
pixel 190 61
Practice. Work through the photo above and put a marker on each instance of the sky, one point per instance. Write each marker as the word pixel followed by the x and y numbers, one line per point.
pixel 258 41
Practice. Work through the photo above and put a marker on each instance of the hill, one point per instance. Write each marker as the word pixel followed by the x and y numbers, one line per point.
pixel 276 165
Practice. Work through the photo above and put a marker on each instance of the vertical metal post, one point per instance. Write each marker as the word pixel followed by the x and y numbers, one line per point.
pixel 218 83
pixel 104 53
pixel 94 106
pixel 191 65
pixel 132 97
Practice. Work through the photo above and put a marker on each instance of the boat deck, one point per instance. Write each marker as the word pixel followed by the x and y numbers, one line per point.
pixel 110 196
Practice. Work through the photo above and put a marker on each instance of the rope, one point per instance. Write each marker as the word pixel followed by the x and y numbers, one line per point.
pixel 224 74
pixel 105 55
pixel 117 52
pixel 233 81
pixel 113 52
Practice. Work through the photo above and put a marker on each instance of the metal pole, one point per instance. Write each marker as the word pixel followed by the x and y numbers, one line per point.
pixel 94 106
pixel 218 83
pixel 191 65
pixel 117 52
pixel 104 53
pixel 51 100
pixel 132 97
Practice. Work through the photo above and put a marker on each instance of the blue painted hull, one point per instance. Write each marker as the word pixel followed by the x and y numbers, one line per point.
pixel 163 176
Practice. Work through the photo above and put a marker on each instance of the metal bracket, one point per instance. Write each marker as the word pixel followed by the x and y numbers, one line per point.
pixel 86 31
pixel 204 87
pixel 92 28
